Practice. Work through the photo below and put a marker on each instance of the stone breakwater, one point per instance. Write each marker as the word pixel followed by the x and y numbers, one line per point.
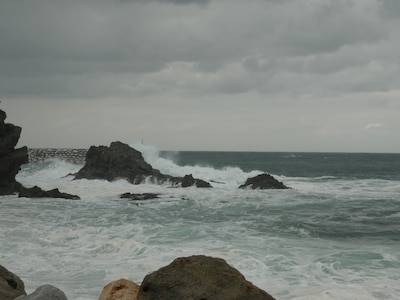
pixel 76 156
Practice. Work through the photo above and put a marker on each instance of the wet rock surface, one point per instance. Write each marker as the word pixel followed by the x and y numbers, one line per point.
pixel 37 192
pixel 11 286
pixel 263 181
pixel 120 161
pixel 11 159
pixel 199 277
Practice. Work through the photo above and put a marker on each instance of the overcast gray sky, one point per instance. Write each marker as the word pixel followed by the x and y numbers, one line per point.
pixel 255 75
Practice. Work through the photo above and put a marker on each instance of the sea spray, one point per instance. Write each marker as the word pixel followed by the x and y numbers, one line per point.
pixel 229 175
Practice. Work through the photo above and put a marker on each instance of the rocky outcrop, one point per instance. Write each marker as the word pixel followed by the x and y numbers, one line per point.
pixel 11 286
pixel 199 277
pixel 45 292
pixel 263 181
pixel 37 192
pixel 188 180
pixel 121 289
pixel 116 162
pixel 120 161
pixel 11 159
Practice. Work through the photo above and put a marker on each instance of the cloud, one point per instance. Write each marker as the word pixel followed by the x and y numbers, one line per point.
pixel 267 44
pixel 329 65
pixel 201 2
pixel 374 126
pixel 390 8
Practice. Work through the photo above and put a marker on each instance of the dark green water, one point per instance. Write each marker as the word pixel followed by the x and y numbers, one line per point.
pixel 341 165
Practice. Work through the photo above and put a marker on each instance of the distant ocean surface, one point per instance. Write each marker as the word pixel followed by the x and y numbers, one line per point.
pixel 334 235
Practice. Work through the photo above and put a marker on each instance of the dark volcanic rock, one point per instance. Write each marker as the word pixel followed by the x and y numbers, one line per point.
pixel 120 161
pixel 144 196
pixel 199 277
pixel 11 286
pixel 37 192
pixel 263 181
pixel 188 180
pixel 11 159
pixel 116 162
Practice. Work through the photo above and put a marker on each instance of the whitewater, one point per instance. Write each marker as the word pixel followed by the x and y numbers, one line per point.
pixel 334 235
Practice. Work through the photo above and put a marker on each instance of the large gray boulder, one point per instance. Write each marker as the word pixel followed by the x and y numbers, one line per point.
pixel 11 286
pixel 11 159
pixel 45 292
pixel 196 278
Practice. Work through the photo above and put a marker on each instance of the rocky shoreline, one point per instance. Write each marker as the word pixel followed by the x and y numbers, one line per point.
pixel 195 277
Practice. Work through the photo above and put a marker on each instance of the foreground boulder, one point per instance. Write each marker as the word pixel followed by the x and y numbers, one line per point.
pixel 120 161
pixel 263 181
pixel 37 192
pixel 11 159
pixel 121 289
pixel 11 286
pixel 45 292
pixel 199 277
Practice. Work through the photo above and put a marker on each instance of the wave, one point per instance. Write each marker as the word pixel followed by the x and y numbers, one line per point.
pixel 50 173
pixel 230 176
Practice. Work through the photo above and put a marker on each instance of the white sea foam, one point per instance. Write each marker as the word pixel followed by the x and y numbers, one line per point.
pixel 231 176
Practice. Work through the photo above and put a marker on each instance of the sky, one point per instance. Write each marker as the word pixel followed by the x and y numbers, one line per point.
pixel 223 75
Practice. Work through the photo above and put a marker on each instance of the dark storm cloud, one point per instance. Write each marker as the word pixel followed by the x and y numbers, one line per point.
pixel 305 74
pixel 390 8
pixel 202 2
pixel 52 47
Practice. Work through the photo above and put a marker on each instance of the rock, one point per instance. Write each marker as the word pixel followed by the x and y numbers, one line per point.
pixel 119 161
pixel 37 192
pixel 188 180
pixel 45 292
pixel 263 181
pixel 121 289
pixel 11 286
pixel 199 277
pixel 144 196
pixel 11 159
pixel 116 162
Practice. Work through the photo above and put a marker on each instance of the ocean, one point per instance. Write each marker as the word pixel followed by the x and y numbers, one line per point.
pixel 334 235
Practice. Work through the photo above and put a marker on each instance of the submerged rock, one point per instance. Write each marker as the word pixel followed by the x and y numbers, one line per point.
pixel 45 292
pixel 199 277
pixel 263 181
pixel 37 192
pixel 11 159
pixel 121 289
pixel 144 196
pixel 11 286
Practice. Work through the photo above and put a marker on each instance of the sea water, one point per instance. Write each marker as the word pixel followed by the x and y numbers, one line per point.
pixel 334 235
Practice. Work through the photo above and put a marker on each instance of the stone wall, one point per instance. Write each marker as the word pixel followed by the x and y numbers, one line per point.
pixel 70 155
